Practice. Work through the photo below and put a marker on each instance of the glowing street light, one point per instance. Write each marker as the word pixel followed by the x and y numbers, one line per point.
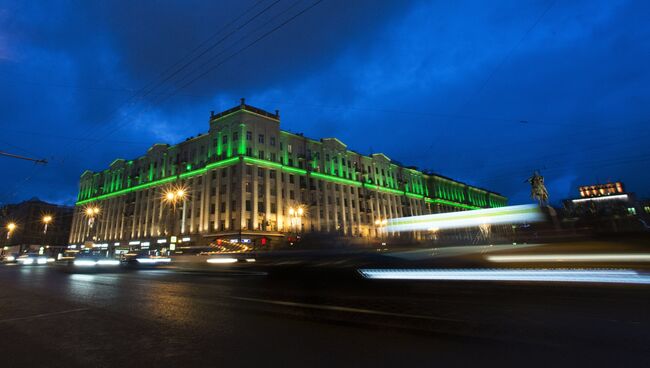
pixel 46 221
pixel 172 196
pixel 295 215
pixel 10 229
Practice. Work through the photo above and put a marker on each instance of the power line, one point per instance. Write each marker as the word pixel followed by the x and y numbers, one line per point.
pixel 35 160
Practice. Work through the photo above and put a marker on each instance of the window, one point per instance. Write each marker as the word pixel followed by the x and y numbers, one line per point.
pixel 248 205
pixel 289 148
pixel 272 141
pixel 261 155
pixel 223 209
pixel 249 151
pixel 291 196
pixel 224 173
pixel 235 136
pixel 224 139
pixel 260 138
pixel 249 135
pixel 291 178
pixel 213 208
pixel 273 157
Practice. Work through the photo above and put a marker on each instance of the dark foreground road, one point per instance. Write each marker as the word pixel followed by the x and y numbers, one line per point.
pixel 167 318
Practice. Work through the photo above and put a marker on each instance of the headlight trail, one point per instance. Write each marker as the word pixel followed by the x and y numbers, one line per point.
pixel 153 260
pixel 222 260
pixel 543 275
pixel 84 262
pixel 570 257
pixel 527 213
pixel 108 262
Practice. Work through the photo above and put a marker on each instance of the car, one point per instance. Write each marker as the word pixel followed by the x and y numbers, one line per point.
pixel 144 259
pixel 8 258
pixel 33 259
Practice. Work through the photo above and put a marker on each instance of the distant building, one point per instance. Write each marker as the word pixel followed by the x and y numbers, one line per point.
pixel 29 218
pixel 606 206
pixel 247 178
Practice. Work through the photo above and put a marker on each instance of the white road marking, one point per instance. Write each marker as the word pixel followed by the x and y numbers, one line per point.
pixel 342 309
pixel 43 315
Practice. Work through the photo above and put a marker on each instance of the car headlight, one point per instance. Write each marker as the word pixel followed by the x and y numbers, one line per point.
pixel 153 260
pixel 41 260
pixel 26 261
pixel 10 258
pixel 108 262
pixel 84 262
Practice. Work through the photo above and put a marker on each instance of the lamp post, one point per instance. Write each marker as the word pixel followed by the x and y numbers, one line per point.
pixel 172 196
pixel 381 224
pixel 91 213
pixel 295 217
pixel 10 229
pixel 46 221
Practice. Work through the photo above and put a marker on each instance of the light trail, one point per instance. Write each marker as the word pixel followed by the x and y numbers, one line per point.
pixel 527 213
pixel 537 275
pixel 222 260
pixel 571 258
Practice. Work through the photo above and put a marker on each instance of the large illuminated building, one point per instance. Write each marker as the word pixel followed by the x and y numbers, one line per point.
pixel 247 178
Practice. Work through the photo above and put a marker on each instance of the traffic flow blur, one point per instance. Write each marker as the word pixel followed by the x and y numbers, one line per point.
pixel 516 243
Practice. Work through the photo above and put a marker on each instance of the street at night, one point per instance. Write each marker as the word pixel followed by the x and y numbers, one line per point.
pixel 324 183
pixel 243 317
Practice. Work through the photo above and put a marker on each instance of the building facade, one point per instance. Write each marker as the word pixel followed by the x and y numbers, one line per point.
pixel 35 223
pixel 247 176
pixel 607 208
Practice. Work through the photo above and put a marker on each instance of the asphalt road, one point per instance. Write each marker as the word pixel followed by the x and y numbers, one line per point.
pixel 169 318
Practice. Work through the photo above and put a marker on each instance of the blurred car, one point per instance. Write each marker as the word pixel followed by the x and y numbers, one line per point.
pixel 8 258
pixel 144 259
pixel 87 260
pixel 33 259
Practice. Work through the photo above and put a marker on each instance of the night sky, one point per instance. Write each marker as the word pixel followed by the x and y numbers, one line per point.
pixel 485 92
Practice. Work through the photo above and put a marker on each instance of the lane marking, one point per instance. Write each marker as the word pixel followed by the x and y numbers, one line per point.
pixel 342 309
pixel 43 315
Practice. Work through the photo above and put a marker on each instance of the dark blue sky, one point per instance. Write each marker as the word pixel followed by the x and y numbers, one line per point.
pixel 484 92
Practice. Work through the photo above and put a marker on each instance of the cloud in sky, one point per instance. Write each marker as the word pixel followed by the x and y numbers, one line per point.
pixel 485 93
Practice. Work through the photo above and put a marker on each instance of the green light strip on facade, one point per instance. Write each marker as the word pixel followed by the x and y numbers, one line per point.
pixel 128 190
pixel 278 166
pixel 161 181
pixel 335 179
pixel 450 203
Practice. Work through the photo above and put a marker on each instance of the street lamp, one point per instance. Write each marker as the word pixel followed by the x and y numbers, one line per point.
pixel 381 224
pixel 91 213
pixel 46 221
pixel 172 196
pixel 295 217
pixel 10 229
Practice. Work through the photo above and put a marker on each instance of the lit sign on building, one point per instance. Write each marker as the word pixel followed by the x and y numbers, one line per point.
pixel 600 190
